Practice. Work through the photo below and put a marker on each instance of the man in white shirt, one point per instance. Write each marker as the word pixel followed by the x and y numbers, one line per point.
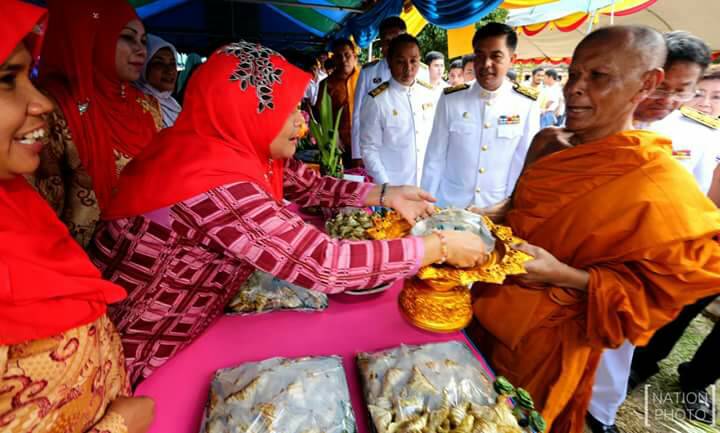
pixel 455 73
pixel 375 73
pixel 553 99
pixel 482 131
pixel 397 118
pixel 695 146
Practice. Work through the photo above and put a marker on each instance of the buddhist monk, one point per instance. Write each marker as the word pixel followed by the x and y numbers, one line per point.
pixel 620 234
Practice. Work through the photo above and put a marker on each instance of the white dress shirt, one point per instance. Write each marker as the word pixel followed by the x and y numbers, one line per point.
pixel 372 75
pixel 478 144
pixel 695 146
pixel 397 122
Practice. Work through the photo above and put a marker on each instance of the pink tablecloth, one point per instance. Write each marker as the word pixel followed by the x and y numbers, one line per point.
pixel 180 388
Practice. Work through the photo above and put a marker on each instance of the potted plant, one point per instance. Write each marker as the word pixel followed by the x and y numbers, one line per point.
pixel 325 132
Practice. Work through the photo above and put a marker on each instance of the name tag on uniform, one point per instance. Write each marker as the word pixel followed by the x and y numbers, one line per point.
pixel 509 120
pixel 682 154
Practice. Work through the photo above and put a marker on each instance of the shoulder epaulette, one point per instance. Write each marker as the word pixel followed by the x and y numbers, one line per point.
pixel 453 89
pixel 379 89
pixel 700 117
pixel 527 91
pixel 425 84
pixel 368 64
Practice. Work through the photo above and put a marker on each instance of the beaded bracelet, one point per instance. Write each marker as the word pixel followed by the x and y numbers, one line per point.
pixel 382 194
pixel 443 247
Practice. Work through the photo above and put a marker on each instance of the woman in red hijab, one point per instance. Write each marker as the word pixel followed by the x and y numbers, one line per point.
pixel 61 362
pixel 95 49
pixel 202 207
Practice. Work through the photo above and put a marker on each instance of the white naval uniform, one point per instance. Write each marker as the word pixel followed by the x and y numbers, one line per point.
pixel 396 121
pixel 478 144
pixel 695 146
pixel 372 75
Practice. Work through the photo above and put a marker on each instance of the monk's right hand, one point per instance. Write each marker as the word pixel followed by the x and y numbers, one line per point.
pixel 138 412
pixel 465 249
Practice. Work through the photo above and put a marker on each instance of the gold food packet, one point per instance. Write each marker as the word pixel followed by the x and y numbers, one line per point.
pixel 503 261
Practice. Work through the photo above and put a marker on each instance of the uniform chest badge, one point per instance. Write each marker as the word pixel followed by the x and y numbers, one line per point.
pixel 509 120
pixel 682 155
pixel 377 80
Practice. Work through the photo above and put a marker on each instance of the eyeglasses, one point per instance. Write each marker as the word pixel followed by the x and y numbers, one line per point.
pixel 675 96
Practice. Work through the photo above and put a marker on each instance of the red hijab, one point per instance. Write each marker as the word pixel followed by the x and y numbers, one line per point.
pixel 235 106
pixel 78 69
pixel 47 283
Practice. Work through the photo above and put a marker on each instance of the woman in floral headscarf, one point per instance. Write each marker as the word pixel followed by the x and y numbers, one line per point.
pixel 95 49
pixel 202 207
pixel 61 362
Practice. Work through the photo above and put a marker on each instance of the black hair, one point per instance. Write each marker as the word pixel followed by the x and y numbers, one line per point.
pixel 390 23
pixel 552 73
pixel 456 64
pixel 714 75
pixel 538 69
pixel 329 64
pixel 343 42
pixel 685 47
pixel 432 56
pixel 467 58
pixel 492 30
pixel 403 39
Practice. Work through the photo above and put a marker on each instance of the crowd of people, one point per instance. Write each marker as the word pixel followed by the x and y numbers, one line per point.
pixel 128 221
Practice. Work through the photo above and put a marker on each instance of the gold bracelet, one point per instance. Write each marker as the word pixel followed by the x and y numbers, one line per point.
pixel 443 247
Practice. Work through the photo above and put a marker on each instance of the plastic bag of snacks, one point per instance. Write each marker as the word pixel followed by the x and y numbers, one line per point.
pixel 278 395
pixel 263 293
pixel 433 388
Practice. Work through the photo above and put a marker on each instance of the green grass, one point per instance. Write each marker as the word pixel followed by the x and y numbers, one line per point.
pixel 631 418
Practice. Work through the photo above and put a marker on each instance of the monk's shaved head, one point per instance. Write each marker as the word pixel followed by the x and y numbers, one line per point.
pixel 613 69
pixel 646 46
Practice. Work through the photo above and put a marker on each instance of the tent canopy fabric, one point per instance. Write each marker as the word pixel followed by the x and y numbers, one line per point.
pixel 664 15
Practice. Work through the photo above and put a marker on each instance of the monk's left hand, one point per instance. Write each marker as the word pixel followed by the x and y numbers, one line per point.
pixel 546 269
pixel 411 202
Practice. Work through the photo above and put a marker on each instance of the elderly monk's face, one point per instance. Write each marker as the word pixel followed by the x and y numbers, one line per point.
pixel 677 88
pixel 23 130
pixel 604 86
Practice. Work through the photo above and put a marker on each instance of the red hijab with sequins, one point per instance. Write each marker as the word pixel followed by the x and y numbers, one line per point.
pixel 235 106
pixel 47 283
pixel 77 68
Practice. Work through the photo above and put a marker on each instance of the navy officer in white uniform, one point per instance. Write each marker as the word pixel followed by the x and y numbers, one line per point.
pixel 482 131
pixel 397 118
pixel 375 73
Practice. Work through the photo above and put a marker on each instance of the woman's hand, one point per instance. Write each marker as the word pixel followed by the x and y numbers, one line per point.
pixel 411 202
pixel 138 412
pixel 464 249
pixel 546 269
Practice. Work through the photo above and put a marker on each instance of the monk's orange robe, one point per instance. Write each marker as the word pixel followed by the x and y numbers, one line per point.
pixel 622 209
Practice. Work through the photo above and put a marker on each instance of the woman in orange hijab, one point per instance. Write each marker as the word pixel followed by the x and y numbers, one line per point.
pixel 202 207
pixel 61 362
pixel 95 49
